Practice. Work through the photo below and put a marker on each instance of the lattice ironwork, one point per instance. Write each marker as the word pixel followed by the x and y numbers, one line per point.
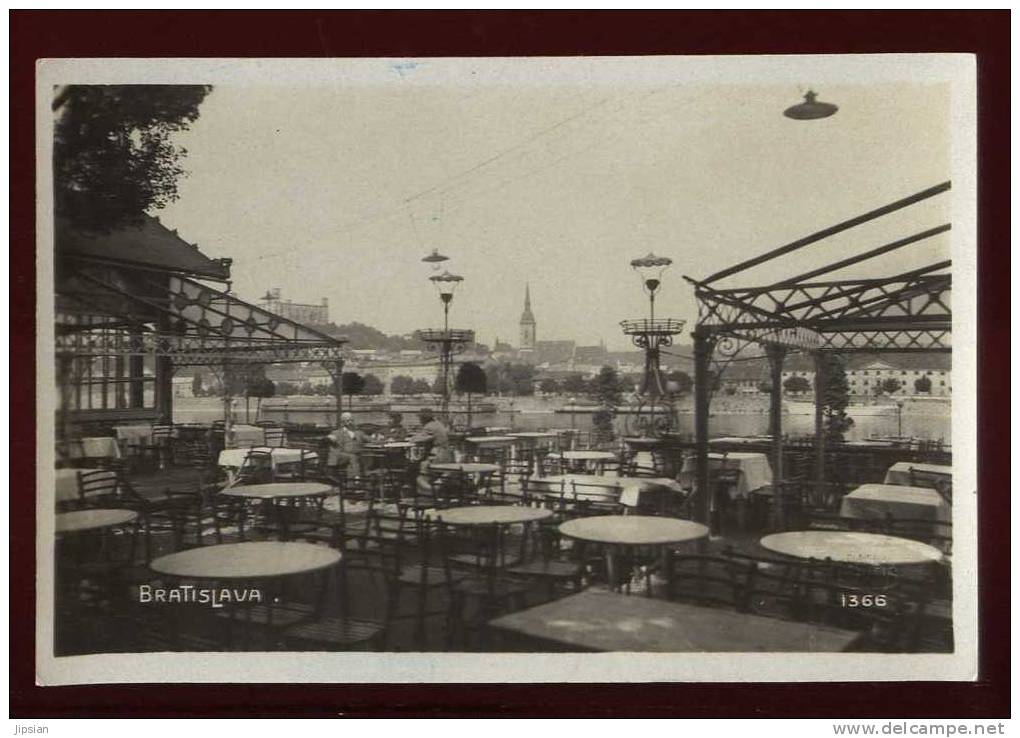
pixel 179 318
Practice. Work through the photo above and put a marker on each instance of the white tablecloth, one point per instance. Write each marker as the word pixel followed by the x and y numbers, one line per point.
pixel 244 436
pixel 878 501
pixel 755 472
pixel 926 474
pixel 134 435
pixel 100 447
pixel 233 458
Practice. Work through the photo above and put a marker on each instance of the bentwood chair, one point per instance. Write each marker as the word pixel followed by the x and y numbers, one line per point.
pixel 717 581
pixel 376 568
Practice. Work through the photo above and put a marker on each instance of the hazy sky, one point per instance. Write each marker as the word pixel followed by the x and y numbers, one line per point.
pixel 339 191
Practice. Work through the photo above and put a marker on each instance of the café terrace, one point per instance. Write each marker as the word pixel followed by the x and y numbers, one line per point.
pixel 485 539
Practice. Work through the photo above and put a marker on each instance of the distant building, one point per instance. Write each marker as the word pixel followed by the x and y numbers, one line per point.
pixel 309 314
pixel 865 374
pixel 554 352
pixel 528 325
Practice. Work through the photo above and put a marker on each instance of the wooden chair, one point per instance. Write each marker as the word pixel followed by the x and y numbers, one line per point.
pixel 476 563
pixel 97 489
pixel 716 581
pixel 275 436
pixel 257 468
pixel 376 562
pixel 299 471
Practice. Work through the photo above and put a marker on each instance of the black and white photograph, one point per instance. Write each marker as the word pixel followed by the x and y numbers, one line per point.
pixel 507 369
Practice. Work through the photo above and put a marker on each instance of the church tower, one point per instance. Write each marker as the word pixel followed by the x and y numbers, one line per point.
pixel 527 323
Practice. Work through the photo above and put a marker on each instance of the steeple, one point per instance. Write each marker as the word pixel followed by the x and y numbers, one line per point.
pixel 527 322
pixel 527 317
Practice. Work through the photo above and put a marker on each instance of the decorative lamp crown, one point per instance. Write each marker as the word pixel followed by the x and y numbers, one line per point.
pixel 446 283
pixel 650 269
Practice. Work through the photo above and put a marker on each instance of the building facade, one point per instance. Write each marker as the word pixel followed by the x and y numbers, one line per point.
pixel 306 313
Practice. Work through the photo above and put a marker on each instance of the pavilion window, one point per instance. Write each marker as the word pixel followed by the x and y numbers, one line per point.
pixel 110 381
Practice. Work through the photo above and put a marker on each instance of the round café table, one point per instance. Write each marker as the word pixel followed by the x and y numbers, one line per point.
pixel 632 531
pixel 251 560
pixel 81 521
pixel 850 547
pixel 493 515
pixel 494 519
pixel 276 493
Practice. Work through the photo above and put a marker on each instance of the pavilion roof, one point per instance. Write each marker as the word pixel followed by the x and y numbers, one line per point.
pixel 908 311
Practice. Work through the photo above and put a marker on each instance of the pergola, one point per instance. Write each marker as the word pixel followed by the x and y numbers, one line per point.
pixel 906 312
pixel 143 295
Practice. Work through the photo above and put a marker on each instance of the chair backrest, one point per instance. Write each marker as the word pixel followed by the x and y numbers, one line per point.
pixel 98 487
pixel 449 487
pixel 594 499
pixel 162 433
pixel 708 580
pixel 275 435
pixel 257 468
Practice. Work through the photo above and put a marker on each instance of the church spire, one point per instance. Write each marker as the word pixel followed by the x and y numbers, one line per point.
pixel 527 322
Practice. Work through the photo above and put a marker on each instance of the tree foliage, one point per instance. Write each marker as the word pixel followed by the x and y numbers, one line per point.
pixel 420 387
pixel 471 379
pixel 549 386
pixel 836 397
pixel 682 380
pixel 890 385
pixel 796 385
pixel 606 388
pixel 575 384
pixel 402 385
pixel 114 157
pixel 373 386
pixel 511 379
pixel 352 383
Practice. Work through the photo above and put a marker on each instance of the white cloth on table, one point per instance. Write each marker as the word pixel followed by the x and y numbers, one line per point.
pixel 233 458
pixel 879 501
pixel 99 447
pixel 134 435
pixel 755 471
pixel 899 473
pixel 243 436
pixel 635 487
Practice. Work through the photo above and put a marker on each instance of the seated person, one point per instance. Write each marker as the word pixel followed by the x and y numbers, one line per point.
pixel 345 446
pixel 395 431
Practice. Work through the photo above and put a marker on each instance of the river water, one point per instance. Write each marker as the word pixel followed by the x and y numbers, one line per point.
pixel 925 420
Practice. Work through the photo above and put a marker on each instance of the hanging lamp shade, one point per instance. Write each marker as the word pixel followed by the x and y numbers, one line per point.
pixel 811 108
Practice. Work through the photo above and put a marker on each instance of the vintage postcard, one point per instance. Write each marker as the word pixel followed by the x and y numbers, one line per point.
pixel 590 369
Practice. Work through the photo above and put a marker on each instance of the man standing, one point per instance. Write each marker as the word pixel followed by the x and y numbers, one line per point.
pixel 345 445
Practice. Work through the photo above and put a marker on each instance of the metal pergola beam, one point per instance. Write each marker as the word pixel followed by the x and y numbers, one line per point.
pixel 832 230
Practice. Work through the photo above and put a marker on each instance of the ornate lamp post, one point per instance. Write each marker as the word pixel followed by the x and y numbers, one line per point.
pixel 446 341
pixel 650 334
